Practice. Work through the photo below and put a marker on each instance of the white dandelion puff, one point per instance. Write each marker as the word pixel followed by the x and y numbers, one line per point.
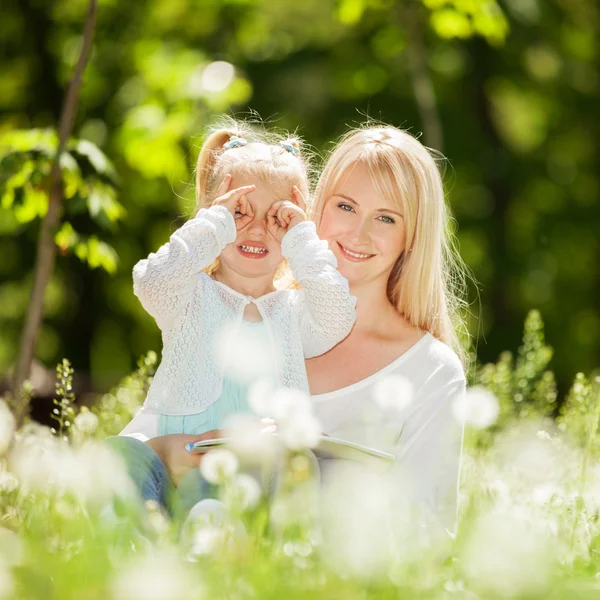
pixel 86 421
pixel 157 576
pixel 7 427
pixel 300 432
pixel 395 392
pixel 476 407
pixel 245 491
pixel 219 465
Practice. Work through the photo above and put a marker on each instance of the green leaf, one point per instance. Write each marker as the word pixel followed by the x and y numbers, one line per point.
pixel 96 158
pixel 449 23
pixel 349 12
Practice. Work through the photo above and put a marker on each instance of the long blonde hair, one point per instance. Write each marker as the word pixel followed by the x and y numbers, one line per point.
pixel 276 159
pixel 428 282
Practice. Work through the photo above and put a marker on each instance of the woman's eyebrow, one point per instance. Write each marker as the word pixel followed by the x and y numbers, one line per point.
pixel 379 210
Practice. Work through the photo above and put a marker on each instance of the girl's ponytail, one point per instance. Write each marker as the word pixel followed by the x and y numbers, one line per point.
pixel 206 162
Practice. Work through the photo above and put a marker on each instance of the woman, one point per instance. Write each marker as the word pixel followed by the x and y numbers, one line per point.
pixel 380 205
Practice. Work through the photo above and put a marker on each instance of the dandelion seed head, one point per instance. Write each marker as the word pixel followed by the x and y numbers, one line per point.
pixel 395 392
pixel 155 576
pixel 7 427
pixel 477 407
pixel 86 421
pixel 504 556
pixel 245 491
pixel 300 432
pixel 219 465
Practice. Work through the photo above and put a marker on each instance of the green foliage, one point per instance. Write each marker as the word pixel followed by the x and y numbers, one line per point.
pixel 88 179
pixel 64 412
pixel 116 408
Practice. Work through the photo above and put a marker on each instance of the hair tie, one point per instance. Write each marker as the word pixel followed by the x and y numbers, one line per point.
pixel 234 142
pixel 289 147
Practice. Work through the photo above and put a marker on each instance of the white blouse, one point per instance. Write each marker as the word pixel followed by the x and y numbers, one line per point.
pixel 425 436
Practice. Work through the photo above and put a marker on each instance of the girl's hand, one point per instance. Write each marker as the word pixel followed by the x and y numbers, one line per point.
pixel 236 202
pixel 171 450
pixel 285 214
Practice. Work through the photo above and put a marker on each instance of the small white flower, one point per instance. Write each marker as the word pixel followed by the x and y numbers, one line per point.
pixel 7 427
pixel 504 557
pixel 394 392
pixel 244 353
pixel 260 398
pixel 252 439
pixel 86 422
pixel 301 432
pixel 206 541
pixel 157 576
pixel 287 404
pixel 7 584
pixel 246 490
pixel 477 407
pixel 12 551
pixel 219 465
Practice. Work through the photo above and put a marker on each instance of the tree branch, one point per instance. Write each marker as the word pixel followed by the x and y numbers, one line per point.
pixel 46 248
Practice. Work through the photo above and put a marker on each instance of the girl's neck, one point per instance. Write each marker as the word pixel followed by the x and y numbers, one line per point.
pixel 248 286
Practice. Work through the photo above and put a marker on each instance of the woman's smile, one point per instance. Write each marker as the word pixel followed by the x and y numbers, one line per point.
pixel 353 255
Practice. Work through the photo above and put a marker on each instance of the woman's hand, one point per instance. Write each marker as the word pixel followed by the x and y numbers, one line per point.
pixel 285 214
pixel 236 202
pixel 171 450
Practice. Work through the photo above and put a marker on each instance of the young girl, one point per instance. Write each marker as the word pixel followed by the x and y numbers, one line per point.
pixel 217 271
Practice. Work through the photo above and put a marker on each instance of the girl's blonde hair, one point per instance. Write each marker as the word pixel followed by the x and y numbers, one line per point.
pixel 428 282
pixel 243 150
pixel 274 158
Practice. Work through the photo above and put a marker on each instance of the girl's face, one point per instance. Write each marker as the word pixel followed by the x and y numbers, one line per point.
pixel 365 231
pixel 255 252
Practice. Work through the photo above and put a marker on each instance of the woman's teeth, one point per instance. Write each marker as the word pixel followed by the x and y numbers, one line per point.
pixel 253 249
pixel 355 254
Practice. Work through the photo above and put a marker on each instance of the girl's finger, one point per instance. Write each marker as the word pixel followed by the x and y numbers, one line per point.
pixel 246 207
pixel 224 187
pixel 237 192
pixel 275 207
pixel 298 198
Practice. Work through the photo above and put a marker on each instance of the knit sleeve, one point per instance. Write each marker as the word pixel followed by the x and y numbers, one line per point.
pixel 165 279
pixel 326 308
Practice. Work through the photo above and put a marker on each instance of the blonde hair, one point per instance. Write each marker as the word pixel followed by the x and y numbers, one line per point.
pixel 263 156
pixel 428 282
pixel 276 159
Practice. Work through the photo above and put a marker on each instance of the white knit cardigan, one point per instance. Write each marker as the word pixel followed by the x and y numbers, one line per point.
pixel 192 310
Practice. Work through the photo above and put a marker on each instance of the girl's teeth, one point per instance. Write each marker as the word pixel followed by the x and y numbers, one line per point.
pixel 356 255
pixel 254 250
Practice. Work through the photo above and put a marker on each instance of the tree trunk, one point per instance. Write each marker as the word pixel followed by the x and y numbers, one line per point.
pixel 411 16
pixel 46 248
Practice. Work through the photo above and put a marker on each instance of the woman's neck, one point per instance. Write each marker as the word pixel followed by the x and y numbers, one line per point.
pixel 374 311
pixel 248 286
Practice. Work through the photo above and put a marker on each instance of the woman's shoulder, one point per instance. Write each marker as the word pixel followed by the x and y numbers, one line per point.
pixel 442 357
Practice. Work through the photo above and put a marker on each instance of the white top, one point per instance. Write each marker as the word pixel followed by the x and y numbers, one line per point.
pixel 193 311
pixel 425 437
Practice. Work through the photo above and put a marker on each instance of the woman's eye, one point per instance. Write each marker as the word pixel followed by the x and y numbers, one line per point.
pixel 345 207
pixel 387 219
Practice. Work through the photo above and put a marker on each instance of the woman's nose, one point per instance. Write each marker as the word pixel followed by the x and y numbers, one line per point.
pixel 361 234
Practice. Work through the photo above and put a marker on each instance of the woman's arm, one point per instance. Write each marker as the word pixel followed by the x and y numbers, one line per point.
pixel 326 307
pixel 164 279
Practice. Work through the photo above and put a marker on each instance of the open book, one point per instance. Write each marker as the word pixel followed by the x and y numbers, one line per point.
pixel 328 447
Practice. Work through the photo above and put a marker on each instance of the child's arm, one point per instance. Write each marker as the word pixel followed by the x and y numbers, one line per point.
pixel 327 310
pixel 165 279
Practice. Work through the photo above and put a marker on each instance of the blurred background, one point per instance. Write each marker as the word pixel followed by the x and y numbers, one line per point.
pixel 508 91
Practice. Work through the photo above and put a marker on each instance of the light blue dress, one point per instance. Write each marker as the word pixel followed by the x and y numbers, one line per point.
pixel 233 399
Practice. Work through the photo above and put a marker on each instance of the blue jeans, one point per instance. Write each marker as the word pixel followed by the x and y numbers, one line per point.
pixel 152 480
